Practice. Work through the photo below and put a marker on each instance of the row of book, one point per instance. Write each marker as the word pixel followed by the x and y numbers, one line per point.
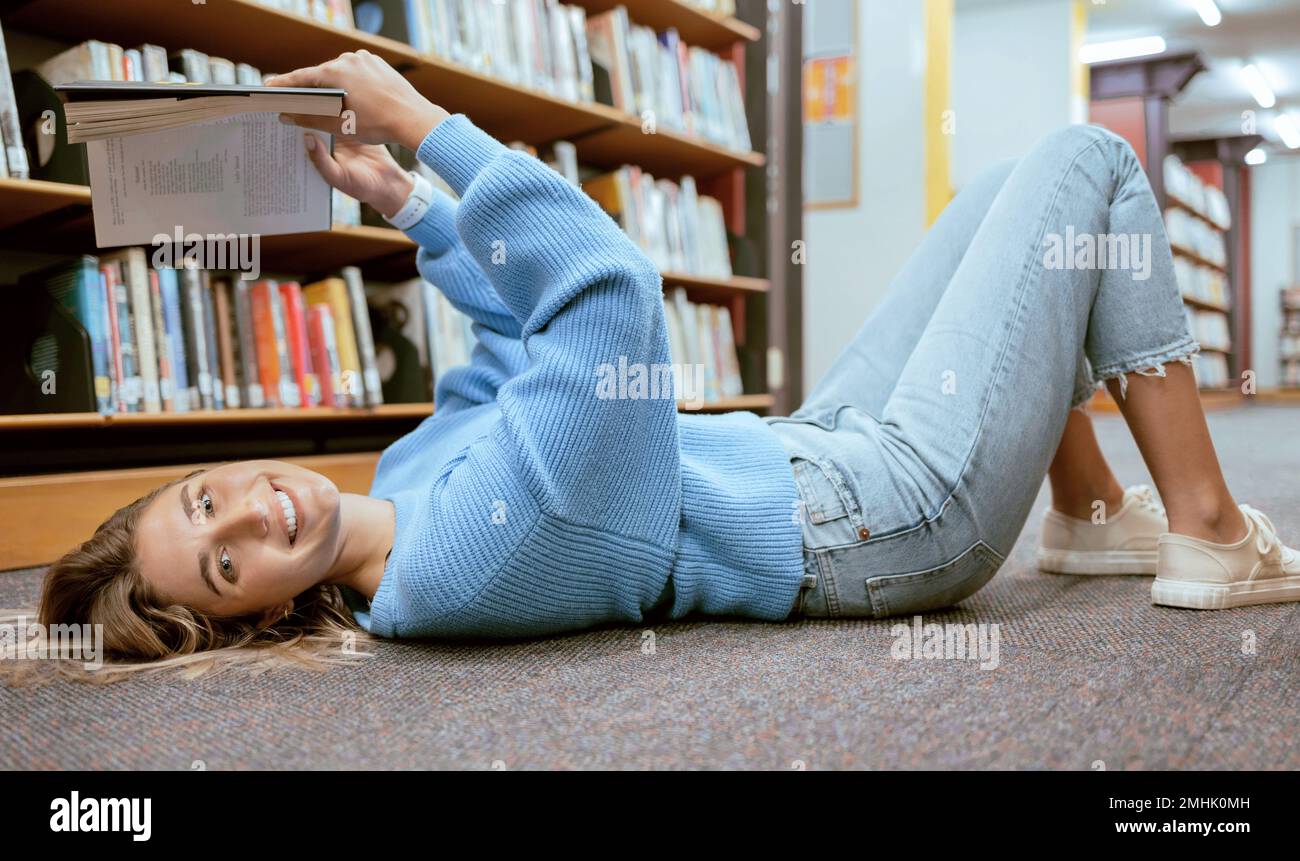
pixel 13 155
pixel 1201 282
pixel 1210 328
pixel 1187 231
pixel 1189 189
pixel 679 229
pixel 336 13
pixel 1289 348
pixel 660 78
pixel 700 335
pixel 185 339
pixel 558 49
pixel 1211 370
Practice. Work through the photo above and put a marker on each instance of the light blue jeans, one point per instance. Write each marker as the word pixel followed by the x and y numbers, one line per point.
pixel 920 454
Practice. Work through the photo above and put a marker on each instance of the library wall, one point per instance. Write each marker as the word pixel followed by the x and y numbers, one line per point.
pixel 1275 245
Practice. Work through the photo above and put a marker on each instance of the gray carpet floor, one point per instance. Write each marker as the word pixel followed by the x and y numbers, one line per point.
pixel 1089 673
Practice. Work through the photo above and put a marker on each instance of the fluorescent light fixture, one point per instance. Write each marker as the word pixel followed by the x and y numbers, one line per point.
pixel 1287 131
pixel 1208 11
pixel 1256 156
pixel 1253 78
pixel 1100 52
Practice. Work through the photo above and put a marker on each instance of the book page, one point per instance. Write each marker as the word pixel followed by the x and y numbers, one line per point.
pixel 248 174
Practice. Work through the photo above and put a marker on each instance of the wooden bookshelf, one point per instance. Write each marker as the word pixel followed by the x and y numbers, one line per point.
pixel 247 31
pixel 695 25
pixel 92 464
pixel 1202 305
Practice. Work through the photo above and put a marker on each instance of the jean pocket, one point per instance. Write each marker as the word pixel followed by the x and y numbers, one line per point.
pixel 831 515
pixel 934 588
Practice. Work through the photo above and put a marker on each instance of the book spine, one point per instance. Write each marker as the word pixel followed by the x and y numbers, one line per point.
pixel 113 343
pixel 268 364
pixel 210 341
pixel 196 345
pixel 166 383
pixel 252 382
pixel 142 328
pixel 373 387
pixel 90 311
pixel 295 323
pixel 325 355
pixel 226 343
pixel 182 394
pixel 290 394
pixel 132 390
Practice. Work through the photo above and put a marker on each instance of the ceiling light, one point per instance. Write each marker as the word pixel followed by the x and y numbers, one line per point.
pixel 1287 131
pixel 1256 156
pixel 1208 11
pixel 1100 52
pixel 1259 88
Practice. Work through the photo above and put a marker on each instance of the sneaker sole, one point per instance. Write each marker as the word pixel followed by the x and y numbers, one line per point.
pixel 1097 562
pixel 1214 596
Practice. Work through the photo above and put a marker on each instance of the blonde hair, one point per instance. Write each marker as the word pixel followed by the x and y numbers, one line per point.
pixel 99 583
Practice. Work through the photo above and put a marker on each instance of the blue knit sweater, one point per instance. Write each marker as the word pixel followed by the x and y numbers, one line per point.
pixel 528 504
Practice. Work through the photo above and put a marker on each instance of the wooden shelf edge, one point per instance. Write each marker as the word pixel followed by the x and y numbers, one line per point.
pixel 1203 305
pixel 1179 203
pixel 1196 258
pixel 728 405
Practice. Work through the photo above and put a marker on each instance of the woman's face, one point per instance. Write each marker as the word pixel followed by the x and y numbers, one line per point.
pixel 224 542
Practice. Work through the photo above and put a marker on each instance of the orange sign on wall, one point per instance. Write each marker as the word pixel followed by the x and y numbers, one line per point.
pixel 828 85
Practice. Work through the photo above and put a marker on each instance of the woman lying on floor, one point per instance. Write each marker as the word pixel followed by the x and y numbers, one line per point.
pixel 529 504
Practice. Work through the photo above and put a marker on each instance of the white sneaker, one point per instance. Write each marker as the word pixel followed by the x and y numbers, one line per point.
pixel 1202 575
pixel 1124 544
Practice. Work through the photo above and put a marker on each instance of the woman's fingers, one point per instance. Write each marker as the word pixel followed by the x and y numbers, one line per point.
pixel 309 76
pixel 332 125
pixel 330 170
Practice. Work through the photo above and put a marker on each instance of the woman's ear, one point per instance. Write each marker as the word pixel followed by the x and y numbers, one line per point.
pixel 275 614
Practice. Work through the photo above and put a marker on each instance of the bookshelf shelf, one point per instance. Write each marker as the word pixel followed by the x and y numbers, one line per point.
pixel 696 26
pixel 1196 258
pixel 274 40
pixel 23 200
pixel 1191 210
pixel 1202 305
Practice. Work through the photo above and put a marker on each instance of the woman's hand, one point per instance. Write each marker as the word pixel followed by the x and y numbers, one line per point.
pixel 364 171
pixel 384 107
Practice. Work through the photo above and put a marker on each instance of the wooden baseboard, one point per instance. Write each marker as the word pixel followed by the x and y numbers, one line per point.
pixel 45 516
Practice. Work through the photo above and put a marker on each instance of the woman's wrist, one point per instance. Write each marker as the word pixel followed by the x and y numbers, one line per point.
pixel 421 121
pixel 395 191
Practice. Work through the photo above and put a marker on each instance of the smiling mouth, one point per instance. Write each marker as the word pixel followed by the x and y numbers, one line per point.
pixel 290 514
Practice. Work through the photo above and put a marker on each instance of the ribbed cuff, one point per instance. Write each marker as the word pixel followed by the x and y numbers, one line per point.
pixel 436 232
pixel 458 150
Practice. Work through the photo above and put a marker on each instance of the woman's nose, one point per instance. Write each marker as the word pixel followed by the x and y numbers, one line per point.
pixel 252 518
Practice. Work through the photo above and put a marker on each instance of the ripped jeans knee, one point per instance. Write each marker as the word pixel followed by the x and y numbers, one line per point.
pixel 1152 365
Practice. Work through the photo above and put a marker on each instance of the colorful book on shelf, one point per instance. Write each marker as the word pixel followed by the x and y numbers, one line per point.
pixel 252 394
pixel 334 293
pixel 169 291
pixel 76 286
pixel 133 269
pixel 325 355
pixel 162 346
pixel 374 393
pixel 273 362
pixel 210 338
pixel 227 349
pixel 401 333
pixel 295 324
pixel 126 359
pixel 196 344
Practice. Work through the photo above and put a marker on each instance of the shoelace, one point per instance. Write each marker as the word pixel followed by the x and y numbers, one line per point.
pixel 1146 497
pixel 1266 534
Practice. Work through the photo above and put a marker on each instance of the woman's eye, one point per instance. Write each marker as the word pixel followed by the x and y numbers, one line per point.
pixel 206 500
pixel 226 565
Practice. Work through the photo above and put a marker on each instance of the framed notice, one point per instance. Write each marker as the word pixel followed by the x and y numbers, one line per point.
pixel 830 105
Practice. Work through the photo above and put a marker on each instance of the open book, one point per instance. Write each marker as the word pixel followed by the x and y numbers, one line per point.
pixel 185 159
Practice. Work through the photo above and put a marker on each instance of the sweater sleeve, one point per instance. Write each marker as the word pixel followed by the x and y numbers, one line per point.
pixel 592 419
pixel 445 263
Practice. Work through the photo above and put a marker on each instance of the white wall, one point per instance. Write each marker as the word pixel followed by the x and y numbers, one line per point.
pixel 1274 218
pixel 854 253
pixel 1011 79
